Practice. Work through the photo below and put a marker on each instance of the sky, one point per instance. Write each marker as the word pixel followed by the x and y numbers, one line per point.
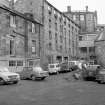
pixel 98 5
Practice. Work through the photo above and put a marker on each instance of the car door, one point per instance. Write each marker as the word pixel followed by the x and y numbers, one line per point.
pixel 26 72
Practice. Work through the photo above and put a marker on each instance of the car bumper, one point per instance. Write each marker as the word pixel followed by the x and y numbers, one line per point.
pixel 52 71
pixel 12 79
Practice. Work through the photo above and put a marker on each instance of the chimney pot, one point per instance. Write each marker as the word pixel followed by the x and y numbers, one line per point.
pixel 69 8
pixel 86 8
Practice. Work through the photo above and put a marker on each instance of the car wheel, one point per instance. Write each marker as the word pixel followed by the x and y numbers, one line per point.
pixel 15 82
pixel 1 81
pixel 33 77
pixel 101 81
pixel 42 78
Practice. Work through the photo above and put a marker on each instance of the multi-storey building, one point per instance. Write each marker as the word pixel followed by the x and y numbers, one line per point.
pixel 100 48
pixel 60 34
pixel 86 45
pixel 88 26
pixel 85 18
pixel 19 39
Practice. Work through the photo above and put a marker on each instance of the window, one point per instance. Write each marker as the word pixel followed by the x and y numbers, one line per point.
pixel 50 35
pixel 12 63
pixel 55 14
pixel 65 31
pixel 82 17
pixel 61 38
pixel 74 17
pixel 33 50
pixel 12 47
pixel 56 41
pixel 30 3
pixel 32 27
pixel 61 29
pixel 69 37
pixel 80 38
pixel 31 63
pixel 64 21
pixel 12 21
pixel 60 19
pixel 19 63
pixel 50 59
pixel 33 46
pixel 69 25
pixel 56 36
pixel 60 48
pixel 91 49
pixel 72 28
pixel 50 46
pixel 56 26
pixel 49 10
pixel 91 16
pixel 49 23
pixel 83 49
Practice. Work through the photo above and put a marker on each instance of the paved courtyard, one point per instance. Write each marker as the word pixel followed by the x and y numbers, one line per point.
pixel 59 89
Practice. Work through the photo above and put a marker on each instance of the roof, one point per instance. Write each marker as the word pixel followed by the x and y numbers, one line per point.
pixel 84 33
pixel 18 14
pixel 4 2
pixel 63 14
pixel 101 36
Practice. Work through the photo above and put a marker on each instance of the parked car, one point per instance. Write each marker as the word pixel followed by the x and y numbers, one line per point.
pixel 33 73
pixel 64 67
pixel 100 76
pixel 73 65
pixel 8 77
pixel 90 72
pixel 53 68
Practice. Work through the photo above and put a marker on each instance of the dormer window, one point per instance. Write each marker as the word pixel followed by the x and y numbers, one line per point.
pixel 13 21
pixel 55 14
pixel 49 9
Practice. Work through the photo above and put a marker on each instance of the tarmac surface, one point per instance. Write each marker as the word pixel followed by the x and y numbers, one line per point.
pixel 61 89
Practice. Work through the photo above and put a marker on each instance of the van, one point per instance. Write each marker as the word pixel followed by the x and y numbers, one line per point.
pixel 73 64
pixel 53 68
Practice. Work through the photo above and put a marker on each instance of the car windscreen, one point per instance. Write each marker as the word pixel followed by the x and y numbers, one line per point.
pixel 58 65
pixel 102 72
pixel 51 66
pixel 37 69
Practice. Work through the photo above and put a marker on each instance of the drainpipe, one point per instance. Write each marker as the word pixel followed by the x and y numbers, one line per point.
pixel 26 41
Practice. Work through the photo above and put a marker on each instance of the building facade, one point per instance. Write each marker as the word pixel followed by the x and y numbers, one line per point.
pixel 85 18
pixel 60 33
pixel 86 46
pixel 19 39
pixel 88 31
pixel 100 48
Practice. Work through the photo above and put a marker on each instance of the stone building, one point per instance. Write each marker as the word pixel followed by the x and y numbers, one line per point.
pixel 85 18
pixel 88 31
pixel 100 48
pixel 19 39
pixel 86 46
pixel 60 34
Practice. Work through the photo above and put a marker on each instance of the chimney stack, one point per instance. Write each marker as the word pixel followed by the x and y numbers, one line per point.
pixel 86 8
pixel 12 4
pixel 69 8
